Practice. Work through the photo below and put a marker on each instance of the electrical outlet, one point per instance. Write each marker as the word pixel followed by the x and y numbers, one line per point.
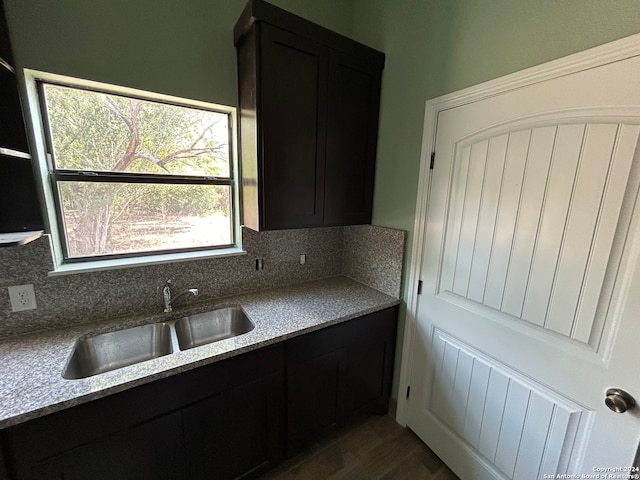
pixel 22 297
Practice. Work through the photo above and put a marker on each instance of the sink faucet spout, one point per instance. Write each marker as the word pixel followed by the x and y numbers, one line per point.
pixel 169 300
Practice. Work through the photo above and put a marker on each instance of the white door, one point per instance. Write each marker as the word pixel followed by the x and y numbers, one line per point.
pixel 530 306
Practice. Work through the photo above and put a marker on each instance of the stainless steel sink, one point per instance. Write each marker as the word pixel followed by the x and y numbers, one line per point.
pixel 94 354
pixel 109 351
pixel 212 326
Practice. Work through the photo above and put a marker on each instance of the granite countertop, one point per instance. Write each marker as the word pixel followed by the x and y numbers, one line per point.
pixel 31 383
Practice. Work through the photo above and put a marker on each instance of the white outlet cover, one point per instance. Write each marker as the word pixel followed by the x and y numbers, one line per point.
pixel 22 297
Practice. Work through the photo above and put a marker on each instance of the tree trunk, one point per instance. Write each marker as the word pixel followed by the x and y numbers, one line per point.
pixel 102 229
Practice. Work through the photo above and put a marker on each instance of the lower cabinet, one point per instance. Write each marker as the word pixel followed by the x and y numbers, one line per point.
pixel 230 435
pixel 3 469
pixel 226 420
pixel 150 450
pixel 218 421
pixel 313 387
pixel 336 373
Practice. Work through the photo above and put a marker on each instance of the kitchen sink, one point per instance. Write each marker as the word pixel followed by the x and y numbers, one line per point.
pixel 212 326
pixel 104 352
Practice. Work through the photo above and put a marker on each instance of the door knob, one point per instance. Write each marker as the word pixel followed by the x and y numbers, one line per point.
pixel 618 400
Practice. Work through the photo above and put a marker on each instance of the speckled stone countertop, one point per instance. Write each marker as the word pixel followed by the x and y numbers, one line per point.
pixel 31 383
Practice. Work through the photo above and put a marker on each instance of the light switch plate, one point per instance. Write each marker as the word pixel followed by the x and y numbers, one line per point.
pixel 22 297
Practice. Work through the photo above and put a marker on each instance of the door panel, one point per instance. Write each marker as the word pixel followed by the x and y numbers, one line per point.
pixel 510 420
pixel 530 211
pixel 530 258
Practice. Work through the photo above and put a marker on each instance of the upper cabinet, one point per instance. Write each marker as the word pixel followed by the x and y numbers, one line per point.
pixel 19 205
pixel 309 103
pixel 12 132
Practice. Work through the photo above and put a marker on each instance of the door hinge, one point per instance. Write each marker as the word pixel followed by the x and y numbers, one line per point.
pixel 408 391
pixel 419 287
pixel 433 159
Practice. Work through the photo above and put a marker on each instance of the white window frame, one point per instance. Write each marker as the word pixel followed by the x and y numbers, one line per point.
pixel 35 119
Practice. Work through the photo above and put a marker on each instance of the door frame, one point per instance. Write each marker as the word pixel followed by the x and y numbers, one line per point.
pixel 607 53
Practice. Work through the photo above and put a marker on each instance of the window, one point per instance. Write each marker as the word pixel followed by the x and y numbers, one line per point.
pixel 134 174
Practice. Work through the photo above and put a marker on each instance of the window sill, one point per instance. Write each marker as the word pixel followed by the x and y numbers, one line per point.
pixel 114 264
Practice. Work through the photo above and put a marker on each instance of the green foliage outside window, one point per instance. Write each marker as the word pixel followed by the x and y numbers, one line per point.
pixel 97 136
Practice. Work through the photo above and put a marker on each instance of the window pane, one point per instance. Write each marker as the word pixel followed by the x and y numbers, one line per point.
pixel 119 218
pixel 110 133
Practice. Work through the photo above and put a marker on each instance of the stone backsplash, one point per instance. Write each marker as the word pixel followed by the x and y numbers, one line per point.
pixel 374 256
pixel 371 255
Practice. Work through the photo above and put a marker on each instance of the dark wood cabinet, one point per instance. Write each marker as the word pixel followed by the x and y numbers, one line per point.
pixel 19 204
pixel 313 387
pixel 352 135
pixel 226 420
pixel 293 128
pixel 219 421
pixel 150 450
pixel 240 431
pixel 309 104
pixel 12 132
pixel 4 473
pixel 337 373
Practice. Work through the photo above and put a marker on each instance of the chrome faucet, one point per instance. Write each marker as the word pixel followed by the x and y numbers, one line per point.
pixel 168 301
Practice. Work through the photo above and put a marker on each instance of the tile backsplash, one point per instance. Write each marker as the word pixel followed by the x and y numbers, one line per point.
pixel 86 297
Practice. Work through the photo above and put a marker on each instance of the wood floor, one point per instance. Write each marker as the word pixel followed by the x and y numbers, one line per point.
pixel 375 447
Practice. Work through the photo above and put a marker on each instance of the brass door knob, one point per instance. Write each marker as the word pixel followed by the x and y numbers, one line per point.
pixel 618 400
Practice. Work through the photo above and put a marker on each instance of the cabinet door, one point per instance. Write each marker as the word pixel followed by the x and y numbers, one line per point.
pixel 20 208
pixel 352 132
pixel 3 468
pixel 235 432
pixel 368 375
pixel 313 387
pixel 338 372
pixel 292 106
pixel 12 132
pixel 150 451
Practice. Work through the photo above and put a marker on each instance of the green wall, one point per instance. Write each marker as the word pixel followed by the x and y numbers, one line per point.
pixel 176 47
pixel 435 47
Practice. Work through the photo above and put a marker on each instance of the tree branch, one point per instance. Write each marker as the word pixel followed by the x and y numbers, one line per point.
pixel 188 153
pixel 195 142
pixel 134 141
pixel 115 109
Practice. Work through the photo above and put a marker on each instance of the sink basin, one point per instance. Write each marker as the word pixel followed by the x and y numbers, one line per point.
pixel 109 351
pixel 212 326
pixel 94 354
